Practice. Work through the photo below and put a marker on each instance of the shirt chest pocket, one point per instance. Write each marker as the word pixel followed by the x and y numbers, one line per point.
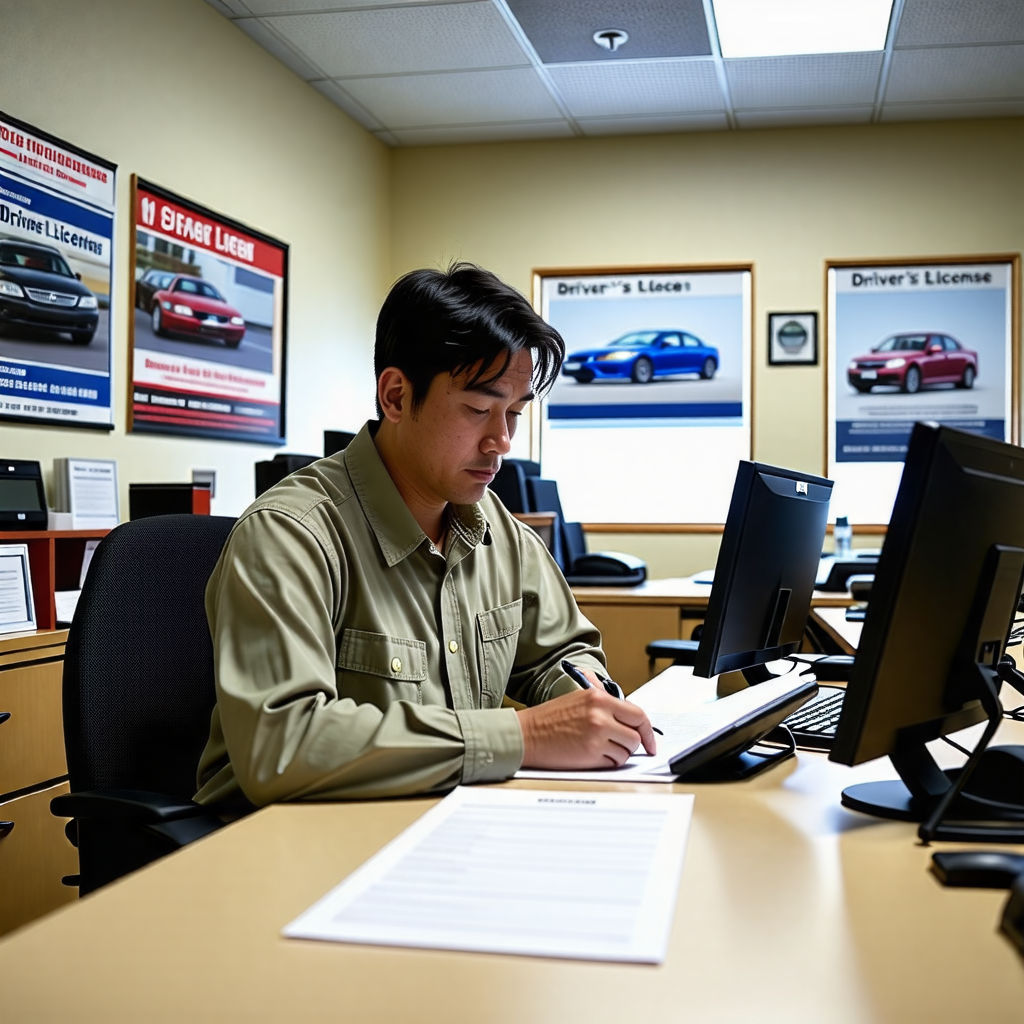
pixel 374 668
pixel 498 632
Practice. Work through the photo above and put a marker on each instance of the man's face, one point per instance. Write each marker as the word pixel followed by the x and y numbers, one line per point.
pixel 453 446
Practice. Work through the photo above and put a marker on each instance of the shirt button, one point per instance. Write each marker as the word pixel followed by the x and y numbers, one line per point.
pixel 396 665
pixel 453 646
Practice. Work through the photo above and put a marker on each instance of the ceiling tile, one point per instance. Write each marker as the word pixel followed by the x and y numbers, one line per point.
pixel 807 80
pixel 795 116
pixel 563 31
pixel 938 22
pixel 273 43
pixel 962 73
pixel 952 111
pixel 397 40
pixel 337 95
pixel 469 97
pixel 454 134
pixel 650 87
pixel 653 125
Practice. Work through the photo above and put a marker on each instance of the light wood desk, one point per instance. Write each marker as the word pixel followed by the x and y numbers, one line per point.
pixel 790 909
pixel 629 618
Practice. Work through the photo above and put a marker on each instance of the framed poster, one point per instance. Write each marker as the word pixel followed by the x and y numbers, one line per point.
pixel 907 341
pixel 208 334
pixel 651 411
pixel 792 339
pixel 57 207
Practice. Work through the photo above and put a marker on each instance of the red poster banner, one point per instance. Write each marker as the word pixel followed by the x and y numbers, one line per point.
pixel 188 226
pixel 208 323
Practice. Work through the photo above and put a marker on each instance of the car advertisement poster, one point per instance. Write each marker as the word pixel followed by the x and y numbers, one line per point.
pixel 909 342
pixel 654 392
pixel 56 246
pixel 209 300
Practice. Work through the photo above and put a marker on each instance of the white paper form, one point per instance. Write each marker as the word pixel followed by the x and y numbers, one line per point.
pixel 92 485
pixel 684 730
pixel 575 875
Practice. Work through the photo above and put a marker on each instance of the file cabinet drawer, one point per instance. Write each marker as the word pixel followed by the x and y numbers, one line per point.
pixel 34 856
pixel 32 739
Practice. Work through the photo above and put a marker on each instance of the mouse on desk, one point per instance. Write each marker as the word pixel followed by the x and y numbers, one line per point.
pixel 978 869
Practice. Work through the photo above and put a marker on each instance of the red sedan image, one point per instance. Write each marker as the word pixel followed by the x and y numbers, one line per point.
pixel 910 361
pixel 190 305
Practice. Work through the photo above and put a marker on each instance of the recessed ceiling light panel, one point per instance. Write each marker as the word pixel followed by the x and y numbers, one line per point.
pixel 776 28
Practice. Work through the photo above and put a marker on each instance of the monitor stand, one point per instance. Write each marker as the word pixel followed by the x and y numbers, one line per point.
pixel 733 682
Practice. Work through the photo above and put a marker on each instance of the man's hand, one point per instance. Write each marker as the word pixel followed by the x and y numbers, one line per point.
pixel 585 729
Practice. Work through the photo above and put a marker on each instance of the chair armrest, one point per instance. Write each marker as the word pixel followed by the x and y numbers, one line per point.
pixel 128 805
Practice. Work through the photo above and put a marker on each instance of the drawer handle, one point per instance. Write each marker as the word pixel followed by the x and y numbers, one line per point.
pixel 6 828
pixel 4 715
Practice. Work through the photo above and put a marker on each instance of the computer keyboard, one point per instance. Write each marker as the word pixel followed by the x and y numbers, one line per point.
pixel 814 725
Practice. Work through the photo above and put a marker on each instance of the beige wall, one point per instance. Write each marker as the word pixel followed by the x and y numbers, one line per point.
pixel 786 200
pixel 109 74
pixel 170 90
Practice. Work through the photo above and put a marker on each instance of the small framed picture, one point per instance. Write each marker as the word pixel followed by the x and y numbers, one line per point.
pixel 17 612
pixel 793 338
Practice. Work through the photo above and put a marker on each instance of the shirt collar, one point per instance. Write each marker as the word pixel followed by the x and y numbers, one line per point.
pixel 397 532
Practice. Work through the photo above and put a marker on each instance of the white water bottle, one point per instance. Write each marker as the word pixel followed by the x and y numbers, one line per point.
pixel 844 535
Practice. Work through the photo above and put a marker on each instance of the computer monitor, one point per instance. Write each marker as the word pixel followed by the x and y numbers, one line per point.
pixel 761 594
pixel 929 662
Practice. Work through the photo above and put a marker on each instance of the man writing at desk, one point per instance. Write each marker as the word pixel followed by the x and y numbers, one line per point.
pixel 370 612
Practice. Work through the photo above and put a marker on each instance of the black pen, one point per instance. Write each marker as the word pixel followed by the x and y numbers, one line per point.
pixel 577 676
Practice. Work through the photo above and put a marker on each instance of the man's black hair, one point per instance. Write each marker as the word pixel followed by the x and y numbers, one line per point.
pixel 459 320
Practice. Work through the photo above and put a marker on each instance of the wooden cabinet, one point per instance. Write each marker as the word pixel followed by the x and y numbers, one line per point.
pixel 629 618
pixel 34 852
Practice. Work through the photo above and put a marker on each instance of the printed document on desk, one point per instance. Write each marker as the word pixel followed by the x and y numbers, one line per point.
pixel 687 729
pixel 574 875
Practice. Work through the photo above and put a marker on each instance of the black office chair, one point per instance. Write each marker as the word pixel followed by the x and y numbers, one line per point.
pixel 583 568
pixel 509 483
pixel 138 693
pixel 679 652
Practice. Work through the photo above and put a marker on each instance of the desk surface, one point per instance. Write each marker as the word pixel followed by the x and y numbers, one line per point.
pixel 790 909
pixel 833 621
pixel 682 591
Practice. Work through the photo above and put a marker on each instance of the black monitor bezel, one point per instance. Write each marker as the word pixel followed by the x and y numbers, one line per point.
pixel 728 573
pixel 25 519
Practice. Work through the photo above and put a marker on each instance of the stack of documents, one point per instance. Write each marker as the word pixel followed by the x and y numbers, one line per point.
pixel 87 488
pixel 576 875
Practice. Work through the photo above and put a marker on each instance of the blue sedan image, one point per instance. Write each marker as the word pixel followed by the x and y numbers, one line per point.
pixel 640 356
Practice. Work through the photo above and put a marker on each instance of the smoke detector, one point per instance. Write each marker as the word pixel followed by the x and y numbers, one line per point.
pixel 610 38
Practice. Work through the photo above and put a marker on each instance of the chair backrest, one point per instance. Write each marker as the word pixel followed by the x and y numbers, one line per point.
pixel 544 495
pixel 138 667
pixel 509 484
pixel 544 498
pixel 530 468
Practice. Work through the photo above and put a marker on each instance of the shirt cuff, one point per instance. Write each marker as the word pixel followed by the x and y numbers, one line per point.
pixel 494 744
pixel 564 684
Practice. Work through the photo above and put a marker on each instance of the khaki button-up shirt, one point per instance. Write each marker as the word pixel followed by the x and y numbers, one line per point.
pixel 353 659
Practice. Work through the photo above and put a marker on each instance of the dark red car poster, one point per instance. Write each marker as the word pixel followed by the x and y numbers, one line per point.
pixel 209 300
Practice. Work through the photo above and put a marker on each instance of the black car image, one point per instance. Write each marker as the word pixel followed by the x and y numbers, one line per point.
pixel 39 290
